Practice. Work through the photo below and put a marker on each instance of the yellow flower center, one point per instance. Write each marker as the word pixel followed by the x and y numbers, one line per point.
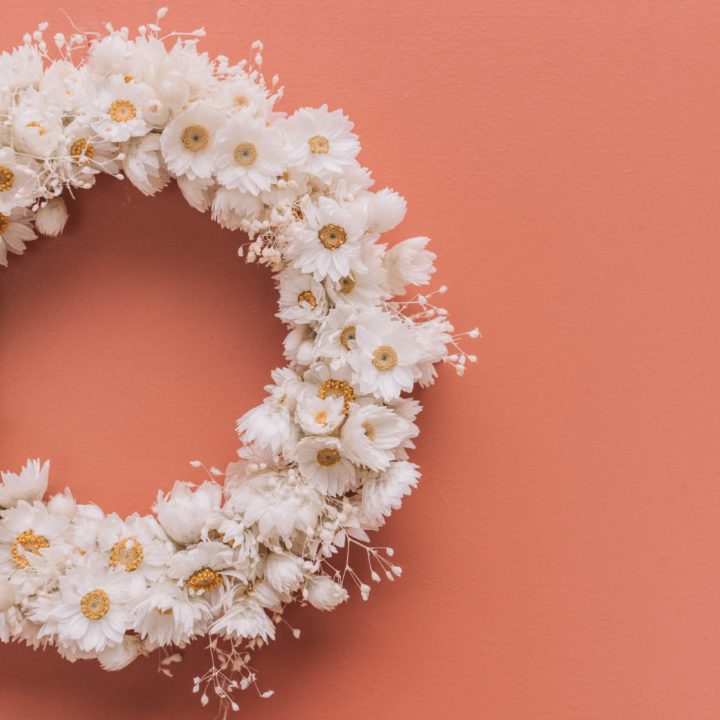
pixel 81 150
pixel 327 457
pixel 337 388
pixel 204 579
pixel 95 605
pixel 332 236
pixel 128 78
pixel 308 297
pixel 245 154
pixel 369 431
pixel 319 145
pixel 384 358
pixel 240 102
pixel 122 111
pixel 29 542
pixel 128 553
pixel 195 138
pixel 4 223
pixel 346 336
pixel 347 284
pixel 321 417
pixel 7 178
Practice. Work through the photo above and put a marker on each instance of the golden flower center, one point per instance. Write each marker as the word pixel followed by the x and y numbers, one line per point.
pixel 122 111
pixel 195 138
pixel 205 579
pixel 128 553
pixel 82 150
pixel 95 605
pixel 337 388
pixel 332 236
pixel 319 145
pixel 321 417
pixel 35 124
pixel 385 358
pixel 240 102
pixel 369 431
pixel 308 297
pixel 347 284
pixel 346 336
pixel 327 457
pixel 245 154
pixel 7 178
pixel 29 542
pixel 128 78
pixel 4 223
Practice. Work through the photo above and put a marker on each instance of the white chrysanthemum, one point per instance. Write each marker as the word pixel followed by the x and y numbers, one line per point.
pixel 15 231
pixel 29 485
pixel 371 435
pixel 302 298
pixel 198 192
pixel 245 619
pixel 382 493
pixel 183 511
pixel 328 242
pixel 277 504
pixel 321 143
pixel 336 334
pixel 319 415
pixel 240 94
pixel 284 572
pixel 50 219
pixel 117 109
pixel 111 55
pixel 387 357
pixel 361 288
pixel 85 155
pixel 324 593
pixel 386 210
pixel 323 465
pixel 248 155
pixel 143 164
pixel 165 615
pixel 267 426
pixel 22 67
pixel 409 263
pixel 285 387
pixel 234 209
pixel 202 568
pixel 18 181
pixel 36 125
pixel 188 141
pixel 90 610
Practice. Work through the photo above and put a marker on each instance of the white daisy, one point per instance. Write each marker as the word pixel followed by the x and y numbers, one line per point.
pixel 361 288
pixel 319 416
pixel 188 141
pixel 240 94
pixel 36 125
pixel 328 242
pixel 323 465
pixel 18 181
pixel 203 569
pixel 183 511
pixel 321 143
pixel 15 231
pixel 336 334
pixel 118 105
pixel 29 485
pixel 302 298
pixel 85 154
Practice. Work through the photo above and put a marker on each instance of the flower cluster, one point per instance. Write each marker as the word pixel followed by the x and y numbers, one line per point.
pixel 324 458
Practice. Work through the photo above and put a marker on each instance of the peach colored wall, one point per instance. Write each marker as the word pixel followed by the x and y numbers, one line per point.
pixel 562 555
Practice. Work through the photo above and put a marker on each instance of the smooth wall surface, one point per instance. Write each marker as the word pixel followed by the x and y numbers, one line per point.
pixel 562 557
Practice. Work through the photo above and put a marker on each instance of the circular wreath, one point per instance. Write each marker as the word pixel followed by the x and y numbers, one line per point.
pixel 324 458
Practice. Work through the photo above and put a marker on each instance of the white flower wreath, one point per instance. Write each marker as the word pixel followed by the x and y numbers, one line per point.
pixel 324 458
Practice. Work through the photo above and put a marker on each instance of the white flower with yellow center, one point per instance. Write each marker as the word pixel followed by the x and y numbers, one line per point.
pixel 242 95
pixel 36 126
pixel 15 231
pixel 320 142
pixel 324 466
pixel 302 298
pixel 85 154
pixel 18 181
pixel 336 334
pixel 328 244
pixel 361 288
pixel 319 416
pixel 248 155
pixel 386 363
pixel 188 141
pixel 118 105
pixel 203 568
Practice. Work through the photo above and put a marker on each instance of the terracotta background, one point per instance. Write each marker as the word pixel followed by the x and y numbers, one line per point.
pixel 561 558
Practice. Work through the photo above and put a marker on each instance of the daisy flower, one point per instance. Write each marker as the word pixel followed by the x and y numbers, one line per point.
pixel 321 143
pixel 328 242
pixel 15 231
pixel 336 334
pixel 319 416
pixel 202 568
pixel 302 298
pixel 188 141
pixel 118 108
pixel 241 95
pixel 387 357
pixel 18 181
pixel 36 125
pixel 360 288
pixel 248 155
pixel 323 465
pixel 85 154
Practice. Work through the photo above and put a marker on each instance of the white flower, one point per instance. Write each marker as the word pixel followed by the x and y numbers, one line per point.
pixel 18 182
pixel 386 210
pixel 36 125
pixel 21 67
pixel 51 217
pixel 319 416
pixel 143 164
pixel 267 426
pixel 248 155
pixel 183 511
pixel 371 434
pixel 64 86
pixel 336 334
pixel 298 345
pixel 118 105
pixel 324 466
pixel 433 337
pixel 111 54
pixel 197 192
pixel 233 208
pixel 118 657
pixel 241 95
pixel 284 572
pixel 85 155
pixel 409 263
pixel 302 298
pixel 245 619
pixel 383 493
pixel 15 231
pixel 321 143
pixel 324 593
pixel 328 243
pixel 188 141
pixel 30 485
pixel 364 286
pixel 203 567
pixel 386 361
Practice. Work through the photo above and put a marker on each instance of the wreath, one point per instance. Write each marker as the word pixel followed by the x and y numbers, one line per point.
pixel 324 459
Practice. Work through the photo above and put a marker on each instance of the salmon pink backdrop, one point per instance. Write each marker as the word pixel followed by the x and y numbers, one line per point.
pixel 562 556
